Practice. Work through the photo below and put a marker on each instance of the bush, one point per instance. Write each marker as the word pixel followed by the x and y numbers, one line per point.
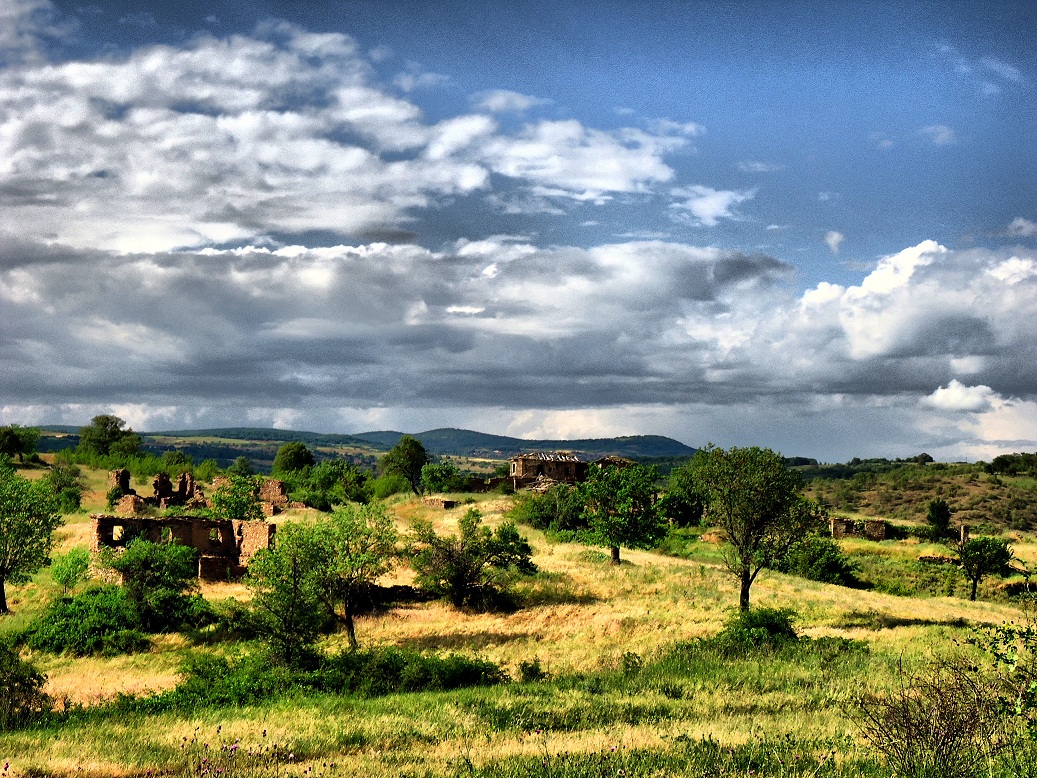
pixel 942 722
pixel 559 509
pixel 752 630
pixel 818 558
pixel 93 622
pixel 473 568
pixel 22 700
pixel 208 680
pixel 68 570
pixel 156 578
pixel 388 485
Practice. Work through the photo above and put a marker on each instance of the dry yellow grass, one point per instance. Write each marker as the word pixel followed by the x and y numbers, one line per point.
pixel 588 615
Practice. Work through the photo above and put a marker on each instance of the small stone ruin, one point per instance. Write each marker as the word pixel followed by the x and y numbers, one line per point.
pixel 185 494
pixel 848 528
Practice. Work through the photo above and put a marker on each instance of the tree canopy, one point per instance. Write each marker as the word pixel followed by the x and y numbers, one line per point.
pixel 106 435
pixel 238 500
pixel 983 556
pixel 756 501
pixel 354 547
pixel 19 441
pixel 406 458
pixel 621 507
pixel 292 457
pixel 470 568
pixel 28 517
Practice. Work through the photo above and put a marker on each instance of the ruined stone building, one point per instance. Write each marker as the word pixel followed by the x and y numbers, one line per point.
pixel 557 466
pixel 224 547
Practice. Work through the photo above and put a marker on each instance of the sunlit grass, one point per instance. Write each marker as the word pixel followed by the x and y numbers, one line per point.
pixel 581 617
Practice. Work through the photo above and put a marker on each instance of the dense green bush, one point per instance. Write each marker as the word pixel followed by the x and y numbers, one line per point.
pixel 98 621
pixel 329 483
pixel 819 558
pixel 387 485
pixel 472 568
pixel 157 579
pixel 559 509
pixel 759 628
pixel 22 699
pixel 208 680
pixel 439 477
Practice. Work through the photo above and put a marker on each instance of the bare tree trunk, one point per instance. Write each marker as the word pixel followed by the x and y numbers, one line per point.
pixel 615 555
pixel 743 597
pixel 3 596
pixel 351 629
pixel 975 585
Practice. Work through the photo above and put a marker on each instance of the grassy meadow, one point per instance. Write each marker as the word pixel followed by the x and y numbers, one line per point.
pixel 614 681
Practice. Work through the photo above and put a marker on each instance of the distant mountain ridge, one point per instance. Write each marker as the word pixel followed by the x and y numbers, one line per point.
pixel 441 442
pixel 480 444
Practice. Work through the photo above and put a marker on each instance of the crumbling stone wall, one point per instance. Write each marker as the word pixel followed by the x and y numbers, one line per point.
pixel 185 494
pixel 224 547
pixel 848 528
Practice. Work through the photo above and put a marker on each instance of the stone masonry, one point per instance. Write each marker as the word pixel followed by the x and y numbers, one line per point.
pixel 224 547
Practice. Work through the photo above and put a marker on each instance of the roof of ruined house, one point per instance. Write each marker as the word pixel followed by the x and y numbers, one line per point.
pixel 550 456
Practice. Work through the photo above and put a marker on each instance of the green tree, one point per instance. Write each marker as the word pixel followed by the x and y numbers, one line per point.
pixel 71 568
pixel 355 547
pixel 291 458
pixel 22 699
pixel 472 567
pixel 286 602
pixel 983 556
pixel 66 479
pixel 157 579
pixel 176 461
pixel 28 517
pixel 19 441
pixel 754 499
pixel 442 477
pixel 938 518
pixel 329 483
pixel 621 507
pixel 238 500
pixel 242 467
pixel 684 503
pixel 406 458
pixel 106 435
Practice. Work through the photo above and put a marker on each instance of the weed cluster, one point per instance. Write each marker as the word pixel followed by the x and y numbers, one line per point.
pixel 211 681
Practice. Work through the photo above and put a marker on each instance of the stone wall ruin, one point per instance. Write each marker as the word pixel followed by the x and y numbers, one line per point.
pixel 225 547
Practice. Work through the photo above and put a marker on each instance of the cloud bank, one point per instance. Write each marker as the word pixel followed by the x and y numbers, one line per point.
pixel 158 261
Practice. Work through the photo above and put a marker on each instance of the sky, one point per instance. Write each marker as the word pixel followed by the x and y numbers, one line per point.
pixel 810 226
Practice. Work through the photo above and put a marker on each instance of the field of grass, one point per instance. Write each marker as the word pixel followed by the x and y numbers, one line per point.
pixel 622 689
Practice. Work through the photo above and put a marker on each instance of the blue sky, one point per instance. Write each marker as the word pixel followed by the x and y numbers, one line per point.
pixel 805 225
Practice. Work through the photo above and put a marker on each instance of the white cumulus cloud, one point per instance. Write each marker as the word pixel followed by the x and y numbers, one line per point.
pixel 706 205
pixel 956 396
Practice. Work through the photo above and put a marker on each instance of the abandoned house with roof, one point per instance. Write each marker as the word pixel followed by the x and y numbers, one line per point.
pixel 540 469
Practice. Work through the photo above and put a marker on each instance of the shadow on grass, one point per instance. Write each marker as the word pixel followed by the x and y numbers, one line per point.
pixel 875 620
pixel 547 588
pixel 462 640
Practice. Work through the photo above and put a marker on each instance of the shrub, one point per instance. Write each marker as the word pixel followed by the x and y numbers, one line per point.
pixel 472 568
pixel 156 578
pixel 559 509
pixel 85 624
pixel 207 680
pixel 752 630
pixel 22 700
pixel 68 570
pixel 818 558
pixel 388 485
pixel 238 500
pixel 942 722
